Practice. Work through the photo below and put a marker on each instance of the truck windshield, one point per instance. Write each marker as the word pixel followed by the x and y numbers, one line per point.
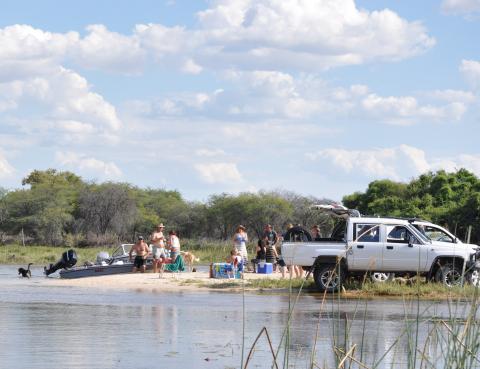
pixel 420 235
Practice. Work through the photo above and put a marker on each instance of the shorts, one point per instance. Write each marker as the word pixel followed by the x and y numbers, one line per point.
pixel 159 253
pixel 173 255
pixel 139 261
pixel 281 262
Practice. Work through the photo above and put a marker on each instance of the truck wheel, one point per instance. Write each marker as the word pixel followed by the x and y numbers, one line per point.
pixel 449 274
pixel 378 277
pixel 327 277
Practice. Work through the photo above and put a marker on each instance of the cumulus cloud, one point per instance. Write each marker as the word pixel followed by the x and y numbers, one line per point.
pixel 461 7
pixel 246 35
pixel 254 95
pixel 405 110
pixel 103 49
pixel 219 173
pixel 90 165
pixel 65 99
pixel 191 67
pixel 397 163
pixel 27 51
pixel 309 34
pixel 471 72
pixel 6 170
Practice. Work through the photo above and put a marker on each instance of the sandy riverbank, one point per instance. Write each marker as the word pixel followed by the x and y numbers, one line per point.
pixel 184 281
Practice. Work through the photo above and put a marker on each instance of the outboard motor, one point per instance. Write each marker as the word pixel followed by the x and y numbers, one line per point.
pixel 68 260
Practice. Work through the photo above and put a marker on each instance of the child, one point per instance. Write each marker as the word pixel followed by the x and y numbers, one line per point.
pixel 235 258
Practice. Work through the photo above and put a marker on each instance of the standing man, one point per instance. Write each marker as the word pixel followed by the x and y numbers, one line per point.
pixel 158 249
pixel 141 252
pixel 270 235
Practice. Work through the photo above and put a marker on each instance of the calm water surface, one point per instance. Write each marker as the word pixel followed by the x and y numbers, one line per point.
pixel 45 327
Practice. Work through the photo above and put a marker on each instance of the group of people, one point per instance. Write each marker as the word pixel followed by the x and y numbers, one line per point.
pixel 167 249
pixel 265 251
pixel 163 250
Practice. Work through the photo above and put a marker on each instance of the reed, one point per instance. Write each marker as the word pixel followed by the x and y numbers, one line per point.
pixel 453 342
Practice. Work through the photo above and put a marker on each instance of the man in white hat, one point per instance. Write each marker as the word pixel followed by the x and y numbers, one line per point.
pixel 158 247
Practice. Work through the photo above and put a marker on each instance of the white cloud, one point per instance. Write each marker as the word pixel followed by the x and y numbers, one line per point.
pixel 162 41
pixel 405 110
pixel 246 35
pixel 311 34
pixel 223 173
pixel 397 163
pixel 372 163
pixel 461 7
pixel 6 170
pixel 191 67
pixel 103 49
pixel 467 161
pixel 107 170
pixel 452 96
pixel 63 98
pixel 471 72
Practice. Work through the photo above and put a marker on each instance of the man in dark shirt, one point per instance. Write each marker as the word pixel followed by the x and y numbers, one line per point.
pixel 270 235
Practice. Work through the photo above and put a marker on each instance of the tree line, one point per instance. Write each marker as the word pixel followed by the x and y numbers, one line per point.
pixel 60 208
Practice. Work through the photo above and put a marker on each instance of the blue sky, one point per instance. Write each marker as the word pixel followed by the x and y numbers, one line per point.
pixel 317 97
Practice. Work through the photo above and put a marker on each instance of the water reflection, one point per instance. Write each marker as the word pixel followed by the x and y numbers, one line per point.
pixel 79 328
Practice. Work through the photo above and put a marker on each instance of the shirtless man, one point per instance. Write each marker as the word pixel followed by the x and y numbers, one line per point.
pixel 141 251
pixel 158 249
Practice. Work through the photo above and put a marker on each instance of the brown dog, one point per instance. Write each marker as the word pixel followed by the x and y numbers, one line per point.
pixel 189 259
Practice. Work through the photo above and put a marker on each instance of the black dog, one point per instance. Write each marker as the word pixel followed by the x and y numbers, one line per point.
pixel 26 273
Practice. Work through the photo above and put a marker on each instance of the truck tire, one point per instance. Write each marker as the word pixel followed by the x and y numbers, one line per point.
pixel 328 277
pixel 449 274
pixel 378 277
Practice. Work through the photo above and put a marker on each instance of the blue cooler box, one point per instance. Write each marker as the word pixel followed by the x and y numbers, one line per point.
pixel 265 268
pixel 223 270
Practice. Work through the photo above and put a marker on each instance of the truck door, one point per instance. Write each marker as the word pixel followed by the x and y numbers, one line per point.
pixel 365 249
pixel 403 251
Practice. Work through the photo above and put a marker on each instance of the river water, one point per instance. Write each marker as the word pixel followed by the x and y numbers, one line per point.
pixel 46 326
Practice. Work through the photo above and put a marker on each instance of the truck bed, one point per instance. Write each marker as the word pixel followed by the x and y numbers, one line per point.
pixel 305 253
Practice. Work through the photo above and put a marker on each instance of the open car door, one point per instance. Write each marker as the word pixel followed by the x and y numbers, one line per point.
pixel 337 210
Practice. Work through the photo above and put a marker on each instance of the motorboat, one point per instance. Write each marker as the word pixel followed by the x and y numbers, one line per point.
pixel 118 263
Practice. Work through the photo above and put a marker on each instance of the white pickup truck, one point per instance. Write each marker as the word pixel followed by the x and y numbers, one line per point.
pixel 360 245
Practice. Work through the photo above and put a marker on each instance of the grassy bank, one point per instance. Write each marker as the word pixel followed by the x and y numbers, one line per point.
pixel 43 255
pixel 422 290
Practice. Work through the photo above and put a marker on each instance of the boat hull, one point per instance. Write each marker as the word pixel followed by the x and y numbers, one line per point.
pixel 97 270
